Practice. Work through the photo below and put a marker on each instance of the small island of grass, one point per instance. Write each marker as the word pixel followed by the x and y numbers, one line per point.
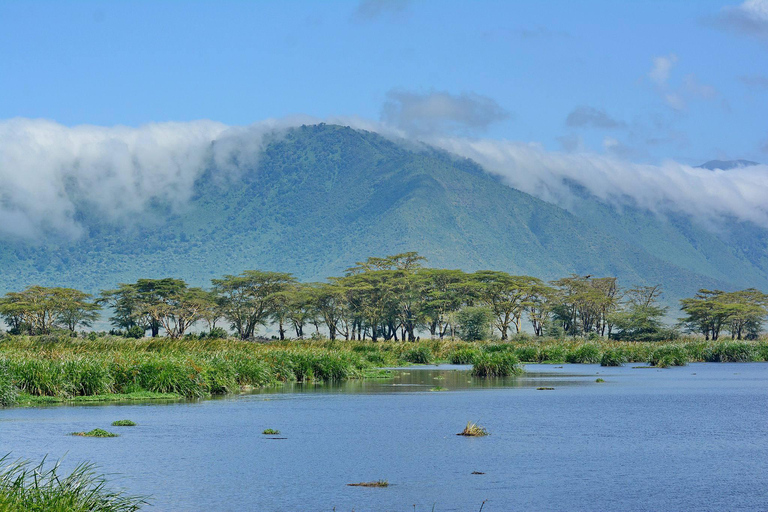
pixel 473 430
pixel 97 432
pixel 378 483
pixel 123 423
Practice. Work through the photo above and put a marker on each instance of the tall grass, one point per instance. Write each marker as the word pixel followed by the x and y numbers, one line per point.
pixel 78 367
pixel 27 487
pixel 496 364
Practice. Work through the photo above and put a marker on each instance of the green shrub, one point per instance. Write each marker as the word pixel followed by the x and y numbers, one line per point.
pixel 474 323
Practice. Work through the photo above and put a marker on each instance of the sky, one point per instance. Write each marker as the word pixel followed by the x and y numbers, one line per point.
pixel 610 93
pixel 647 81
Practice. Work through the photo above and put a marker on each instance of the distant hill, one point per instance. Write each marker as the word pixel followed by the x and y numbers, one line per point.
pixel 326 196
pixel 725 165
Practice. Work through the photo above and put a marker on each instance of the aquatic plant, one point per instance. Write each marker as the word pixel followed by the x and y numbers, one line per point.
pixel 473 430
pixel 418 355
pixel 587 353
pixel 123 423
pixel 613 357
pixel 271 432
pixel 669 355
pixel 463 355
pixel 377 483
pixel 498 364
pixel 8 392
pixel 598 380
pixel 97 432
pixel 438 388
pixel 41 487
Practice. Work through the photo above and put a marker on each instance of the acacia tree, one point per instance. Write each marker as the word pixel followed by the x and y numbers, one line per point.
pixel 75 309
pixel 247 300
pixel 330 303
pixel 505 296
pixel 38 309
pixel 705 313
pixel 443 293
pixel 584 304
pixel 127 309
pixel 640 317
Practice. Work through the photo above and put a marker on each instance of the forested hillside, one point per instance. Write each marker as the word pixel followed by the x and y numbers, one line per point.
pixel 323 197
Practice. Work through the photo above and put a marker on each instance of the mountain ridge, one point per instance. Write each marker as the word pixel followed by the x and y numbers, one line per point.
pixel 325 196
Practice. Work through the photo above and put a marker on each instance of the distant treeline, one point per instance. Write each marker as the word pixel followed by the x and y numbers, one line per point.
pixel 390 298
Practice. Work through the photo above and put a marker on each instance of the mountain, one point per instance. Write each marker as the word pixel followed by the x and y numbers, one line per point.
pixel 725 165
pixel 323 197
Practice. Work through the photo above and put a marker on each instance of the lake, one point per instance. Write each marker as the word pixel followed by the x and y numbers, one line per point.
pixel 685 438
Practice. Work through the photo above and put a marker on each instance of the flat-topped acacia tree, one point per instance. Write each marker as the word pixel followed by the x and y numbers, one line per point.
pixel 247 300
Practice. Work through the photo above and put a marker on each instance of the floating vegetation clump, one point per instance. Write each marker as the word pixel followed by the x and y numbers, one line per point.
pixel 473 430
pixel 598 380
pixel 438 388
pixel 27 487
pixel 97 432
pixel 377 483
pixel 271 432
pixel 544 389
pixel 123 423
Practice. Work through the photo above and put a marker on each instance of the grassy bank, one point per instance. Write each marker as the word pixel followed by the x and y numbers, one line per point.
pixel 40 370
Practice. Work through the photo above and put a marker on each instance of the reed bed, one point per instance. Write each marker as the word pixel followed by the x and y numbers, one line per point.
pixel 25 487
pixel 48 367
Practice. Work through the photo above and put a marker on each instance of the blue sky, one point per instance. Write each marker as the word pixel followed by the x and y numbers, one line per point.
pixel 642 81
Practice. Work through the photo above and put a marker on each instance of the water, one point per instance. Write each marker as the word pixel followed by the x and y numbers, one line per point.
pixel 690 438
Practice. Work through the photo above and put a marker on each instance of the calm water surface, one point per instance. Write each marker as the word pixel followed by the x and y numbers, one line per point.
pixel 690 438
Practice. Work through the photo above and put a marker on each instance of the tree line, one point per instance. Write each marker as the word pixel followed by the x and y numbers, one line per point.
pixel 390 298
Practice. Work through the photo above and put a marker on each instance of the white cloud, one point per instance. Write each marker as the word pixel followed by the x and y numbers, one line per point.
pixel 441 112
pixel 709 196
pixel 662 66
pixel 48 172
pixel 748 18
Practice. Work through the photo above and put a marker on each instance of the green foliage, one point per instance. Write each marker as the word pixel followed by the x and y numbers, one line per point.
pixel 463 355
pixel 474 323
pixel 586 353
pixel 26 487
pixel 613 357
pixel 499 364
pixel 418 355
pixel 271 432
pixel 97 432
pixel 123 423
pixel 8 392
pixel 669 355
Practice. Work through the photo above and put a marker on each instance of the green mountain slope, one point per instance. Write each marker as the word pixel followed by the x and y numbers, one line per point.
pixel 323 197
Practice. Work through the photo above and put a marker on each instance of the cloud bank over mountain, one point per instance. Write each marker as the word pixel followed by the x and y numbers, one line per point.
pixel 48 171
